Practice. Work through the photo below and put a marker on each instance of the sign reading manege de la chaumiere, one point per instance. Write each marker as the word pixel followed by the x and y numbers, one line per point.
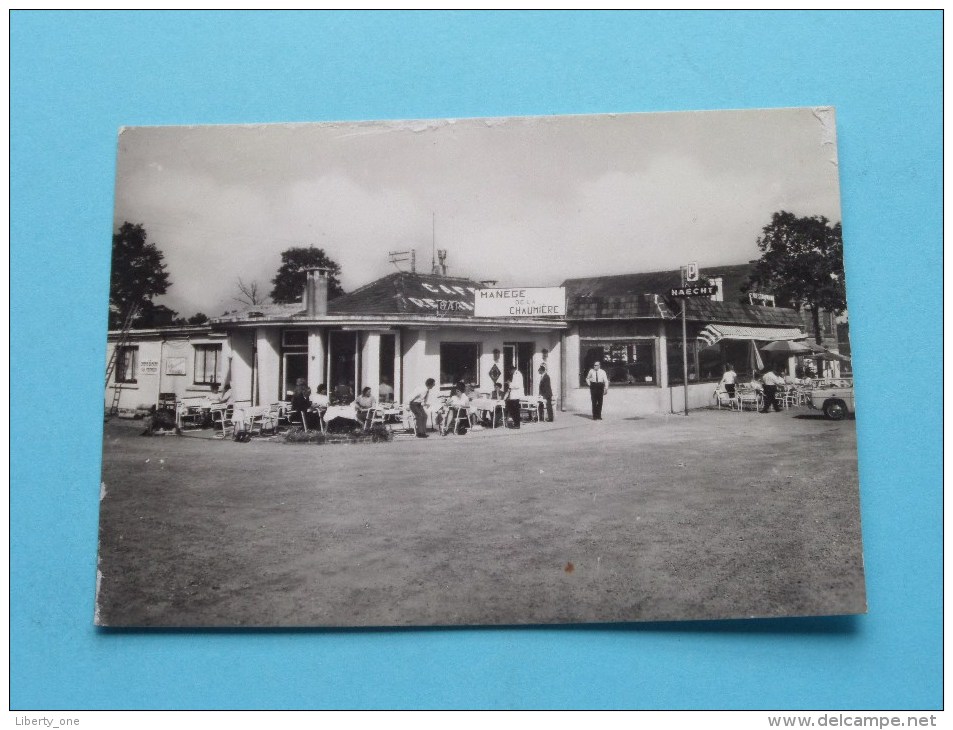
pixel 522 302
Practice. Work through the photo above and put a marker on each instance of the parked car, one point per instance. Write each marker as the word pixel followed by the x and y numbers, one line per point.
pixel 836 400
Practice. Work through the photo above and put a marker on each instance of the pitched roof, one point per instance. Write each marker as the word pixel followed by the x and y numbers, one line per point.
pixel 657 282
pixel 410 293
pixel 639 296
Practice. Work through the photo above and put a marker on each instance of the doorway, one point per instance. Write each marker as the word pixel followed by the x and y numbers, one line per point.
pixel 520 354
pixel 342 360
pixel 294 365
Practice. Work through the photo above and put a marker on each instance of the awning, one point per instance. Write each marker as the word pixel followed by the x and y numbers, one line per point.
pixel 716 332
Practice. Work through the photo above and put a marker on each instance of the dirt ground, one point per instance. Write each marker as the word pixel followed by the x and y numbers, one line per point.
pixel 717 514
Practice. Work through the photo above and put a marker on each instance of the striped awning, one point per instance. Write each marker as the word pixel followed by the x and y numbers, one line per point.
pixel 714 333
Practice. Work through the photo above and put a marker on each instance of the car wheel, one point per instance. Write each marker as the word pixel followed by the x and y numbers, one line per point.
pixel 835 410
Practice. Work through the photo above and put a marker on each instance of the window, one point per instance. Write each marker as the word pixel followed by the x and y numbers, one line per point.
pixel 127 363
pixel 705 364
pixel 627 362
pixel 459 361
pixel 676 368
pixel 206 364
pixel 294 339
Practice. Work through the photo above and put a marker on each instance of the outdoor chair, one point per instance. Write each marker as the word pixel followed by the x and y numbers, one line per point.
pixel 722 399
pixel 530 408
pixel 749 398
pixel 454 416
pixel 189 415
pixel 499 407
pixel 222 421
pixel 296 418
pixel 788 397
pixel 373 415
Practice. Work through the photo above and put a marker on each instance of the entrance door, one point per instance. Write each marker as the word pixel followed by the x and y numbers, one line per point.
pixel 520 354
pixel 294 365
pixel 342 361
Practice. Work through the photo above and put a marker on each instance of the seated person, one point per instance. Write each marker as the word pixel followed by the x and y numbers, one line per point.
pixel 342 395
pixel 301 396
pixel 497 393
pixel 301 402
pixel 386 391
pixel 320 399
pixel 363 403
pixel 755 383
pixel 459 398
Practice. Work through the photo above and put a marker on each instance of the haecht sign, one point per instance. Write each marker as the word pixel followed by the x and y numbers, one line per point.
pixel 547 301
pixel 706 290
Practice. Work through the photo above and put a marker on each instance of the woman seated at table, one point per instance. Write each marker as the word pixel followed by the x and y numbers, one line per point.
pixel 364 402
pixel 301 401
pixel 497 393
pixel 458 399
pixel 320 399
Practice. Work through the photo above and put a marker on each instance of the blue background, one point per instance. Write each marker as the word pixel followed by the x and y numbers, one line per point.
pixel 77 77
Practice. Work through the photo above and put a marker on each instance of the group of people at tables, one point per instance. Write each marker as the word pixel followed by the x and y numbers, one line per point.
pixel 315 408
pixel 507 398
pixel 427 404
pixel 768 383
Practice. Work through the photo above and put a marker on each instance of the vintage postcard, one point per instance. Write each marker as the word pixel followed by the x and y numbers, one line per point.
pixel 479 372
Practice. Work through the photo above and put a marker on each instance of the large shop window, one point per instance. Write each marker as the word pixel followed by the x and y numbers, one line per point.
pixel 127 362
pixel 705 364
pixel 206 364
pixel 676 368
pixel 631 362
pixel 459 361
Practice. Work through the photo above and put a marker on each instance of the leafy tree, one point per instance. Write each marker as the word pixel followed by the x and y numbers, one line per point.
pixel 289 282
pixel 802 262
pixel 138 275
pixel 198 318
pixel 156 315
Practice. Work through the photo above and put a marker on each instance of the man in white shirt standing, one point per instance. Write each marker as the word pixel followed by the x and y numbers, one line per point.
pixel 423 399
pixel 728 380
pixel 513 396
pixel 771 382
pixel 598 382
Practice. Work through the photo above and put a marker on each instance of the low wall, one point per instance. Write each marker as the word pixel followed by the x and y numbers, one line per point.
pixel 623 401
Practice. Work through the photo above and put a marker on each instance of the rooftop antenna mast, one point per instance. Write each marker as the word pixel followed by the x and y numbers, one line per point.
pixel 398 257
pixel 433 242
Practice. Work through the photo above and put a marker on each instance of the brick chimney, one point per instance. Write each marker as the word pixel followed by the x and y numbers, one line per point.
pixel 316 292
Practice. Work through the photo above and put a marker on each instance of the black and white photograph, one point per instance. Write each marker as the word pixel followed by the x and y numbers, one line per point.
pixel 498 371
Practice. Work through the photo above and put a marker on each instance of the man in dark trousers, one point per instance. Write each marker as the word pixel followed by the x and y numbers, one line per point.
pixel 546 392
pixel 598 382
pixel 771 382
pixel 422 399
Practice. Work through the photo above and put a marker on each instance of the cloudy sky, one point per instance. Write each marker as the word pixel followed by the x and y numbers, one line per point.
pixel 526 201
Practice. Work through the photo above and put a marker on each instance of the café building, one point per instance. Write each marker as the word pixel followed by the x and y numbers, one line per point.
pixel 632 324
pixel 400 330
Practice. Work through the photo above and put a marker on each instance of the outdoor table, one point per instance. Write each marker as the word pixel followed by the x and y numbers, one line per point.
pixel 340 412
pixel 488 404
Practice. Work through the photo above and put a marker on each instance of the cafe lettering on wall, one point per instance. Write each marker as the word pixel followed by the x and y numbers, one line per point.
pixel 448 299
pixel 547 301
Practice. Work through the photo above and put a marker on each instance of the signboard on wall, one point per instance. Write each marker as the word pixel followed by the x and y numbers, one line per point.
pixel 175 366
pixel 549 301
pixel 148 367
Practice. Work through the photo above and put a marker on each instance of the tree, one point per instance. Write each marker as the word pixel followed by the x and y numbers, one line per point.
pixel 289 282
pixel 156 315
pixel 138 274
pixel 802 263
pixel 249 293
pixel 198 318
